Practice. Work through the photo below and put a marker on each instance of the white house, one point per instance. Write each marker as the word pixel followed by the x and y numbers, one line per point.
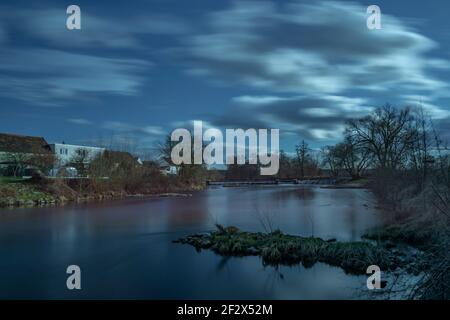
pixel 65 153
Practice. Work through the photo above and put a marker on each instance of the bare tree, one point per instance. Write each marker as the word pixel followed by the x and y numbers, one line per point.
pixel 18 162
pixel 352 157
pixel 331 160
pixel 165 149
pixel 286 166
pixel 42 160
pixel 421 157
pixel 388 134
pixel 80 161
pixel 302 152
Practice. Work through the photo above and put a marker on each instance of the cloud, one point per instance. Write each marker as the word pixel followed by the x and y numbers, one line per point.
pixel 123 127
pixel 426 104
pixel 99 31
pixel 313 61
pixel 189 124
pixel 140 140
pixel 61 75
pixel 79 121
pixel 311 117
pixel 46 70
pixel 320 48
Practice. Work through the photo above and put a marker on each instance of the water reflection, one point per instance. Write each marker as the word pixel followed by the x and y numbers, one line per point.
pixel 125 251
pixel 302 193
pixel 196 213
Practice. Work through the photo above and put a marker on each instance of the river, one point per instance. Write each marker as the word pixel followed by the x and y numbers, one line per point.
pixel 124 247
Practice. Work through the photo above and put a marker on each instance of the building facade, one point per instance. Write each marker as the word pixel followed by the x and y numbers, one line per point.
pixel 66 153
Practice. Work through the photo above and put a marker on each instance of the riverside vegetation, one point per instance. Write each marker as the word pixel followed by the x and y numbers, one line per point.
pixel 277 248
pixel 109 176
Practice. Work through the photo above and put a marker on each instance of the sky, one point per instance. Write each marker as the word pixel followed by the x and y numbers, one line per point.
pixel 139 69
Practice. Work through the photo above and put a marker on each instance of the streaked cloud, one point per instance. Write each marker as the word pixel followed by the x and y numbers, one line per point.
pixel 118 126
pixel 314 61
pixel 320 48
pixel 100 31
pixel 48 71
pixel 311 117
pixel 79 121
pixel 61 75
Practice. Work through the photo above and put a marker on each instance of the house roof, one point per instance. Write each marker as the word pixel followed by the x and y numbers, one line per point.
pixel 120 156
pixel 76 146
pixel 23 144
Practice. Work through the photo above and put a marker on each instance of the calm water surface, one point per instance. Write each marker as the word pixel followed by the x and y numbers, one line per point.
pixel 124 247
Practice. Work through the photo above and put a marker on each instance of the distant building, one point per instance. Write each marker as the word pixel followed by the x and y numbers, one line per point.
pixel 14 143
pixel 21 152
pixel 66 153
pixel 170 170
pixel 117 158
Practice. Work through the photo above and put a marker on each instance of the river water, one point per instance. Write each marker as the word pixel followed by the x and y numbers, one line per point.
pixel 124 248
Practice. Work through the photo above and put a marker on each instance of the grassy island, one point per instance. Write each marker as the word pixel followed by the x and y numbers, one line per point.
pixel 277 248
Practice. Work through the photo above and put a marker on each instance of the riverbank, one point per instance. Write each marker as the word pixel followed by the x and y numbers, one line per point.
pixel 15 192
pixel 349 184
pixel 51 192
pixel 417 215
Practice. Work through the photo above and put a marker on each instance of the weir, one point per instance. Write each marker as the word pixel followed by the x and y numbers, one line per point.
pixel 306 180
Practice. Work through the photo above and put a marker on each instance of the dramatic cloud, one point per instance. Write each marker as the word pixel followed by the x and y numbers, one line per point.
pixel 312 59
pixel 316 118
pixel 321 48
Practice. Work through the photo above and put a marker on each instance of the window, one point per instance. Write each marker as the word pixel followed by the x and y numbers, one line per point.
pixel 82 152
